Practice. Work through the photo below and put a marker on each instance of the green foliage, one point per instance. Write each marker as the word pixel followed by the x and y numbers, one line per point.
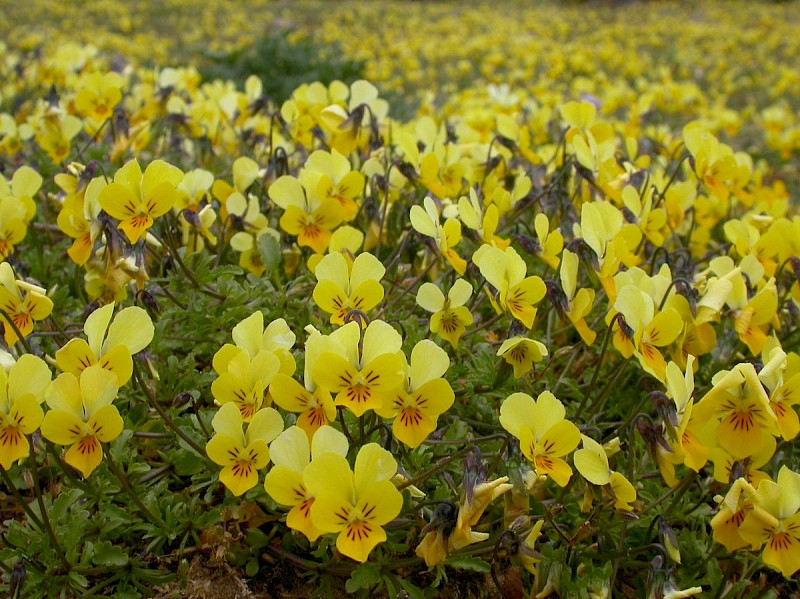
pixel 283 60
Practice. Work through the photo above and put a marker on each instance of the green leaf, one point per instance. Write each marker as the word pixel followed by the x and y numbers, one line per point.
pixel 251 569
pixel 106 554
pixel 364 576
pixel 256 538
pixel 468 563
pixel 270 250
pixel 413 591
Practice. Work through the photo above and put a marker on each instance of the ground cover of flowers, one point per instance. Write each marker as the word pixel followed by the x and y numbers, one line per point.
pixel 506 316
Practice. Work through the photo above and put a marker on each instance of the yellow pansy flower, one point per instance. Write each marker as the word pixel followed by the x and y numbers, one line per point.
pixel 82 415
pixel 356 503
pixel 426 222
pixel 242 453
pixel 22 391
pixel 521 353
pixel 111 344
pixel 305 214
pixel 344 286
pixel 450 316
pixel 774 522
pixel 544 434
pixel 363 375
pixel 416 406
pixel 291 452
pixel 22 303
pixel 592 463
pixel 136 199
pixel 505 270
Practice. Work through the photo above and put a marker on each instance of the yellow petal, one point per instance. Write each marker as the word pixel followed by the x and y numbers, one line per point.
pixel 106 424
pixel 132 327
pixel 85 455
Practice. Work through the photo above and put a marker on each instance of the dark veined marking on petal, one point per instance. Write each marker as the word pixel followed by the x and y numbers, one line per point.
pixel 10 436
pixel 87 445
pixel 781 542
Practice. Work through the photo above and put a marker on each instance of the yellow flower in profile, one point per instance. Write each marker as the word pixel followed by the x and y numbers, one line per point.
pixel 137 199
pixel 505 271
pixel 592 463
pixel 356 503
pixel 242 454
pixel 544 434
pixel 111 344
pixel 484 222
pixel 579 300
pixel 291 452
pixel 82 416
pixel 79 219
pixel 450 315
pixel 253 337
pixel 416 407
pixel 551 241
pixel 22 304
pixel 22 391
pixel 313 403
pixel 344 286
pixel 733 509
pixel 650 330
pixel 445 237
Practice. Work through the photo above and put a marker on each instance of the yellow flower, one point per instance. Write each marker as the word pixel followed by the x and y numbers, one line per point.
pixel 97 95
pixel 505 271
pixel 521 353
pixel 354 503
pixel 22 304
pixel 445 237
pixel 242 454
pixel 650 330
pixel 592 463
pixel 136 199
pixel 79 219
pixel 335 180
pixel 291 452
pixel 416 407
pixel 741 405
pixel 110 344
pixel 450 316
pixel 579 300
pixel 305 215
pixel 22 392
pixel 344 286
pixel 363 375
pixel 545 436
pixel 251 336
pixel 82 415
pixel 775 522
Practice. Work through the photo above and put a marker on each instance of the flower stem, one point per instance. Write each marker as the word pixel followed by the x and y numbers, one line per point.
pixel 46 519
pixel 126 484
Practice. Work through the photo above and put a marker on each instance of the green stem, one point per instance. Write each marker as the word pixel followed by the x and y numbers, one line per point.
pixel 16 330
pixel 23 504
pixel 434 469
pixel 153 401
pixel 596 372
pixel 46 519
pixel 126 484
